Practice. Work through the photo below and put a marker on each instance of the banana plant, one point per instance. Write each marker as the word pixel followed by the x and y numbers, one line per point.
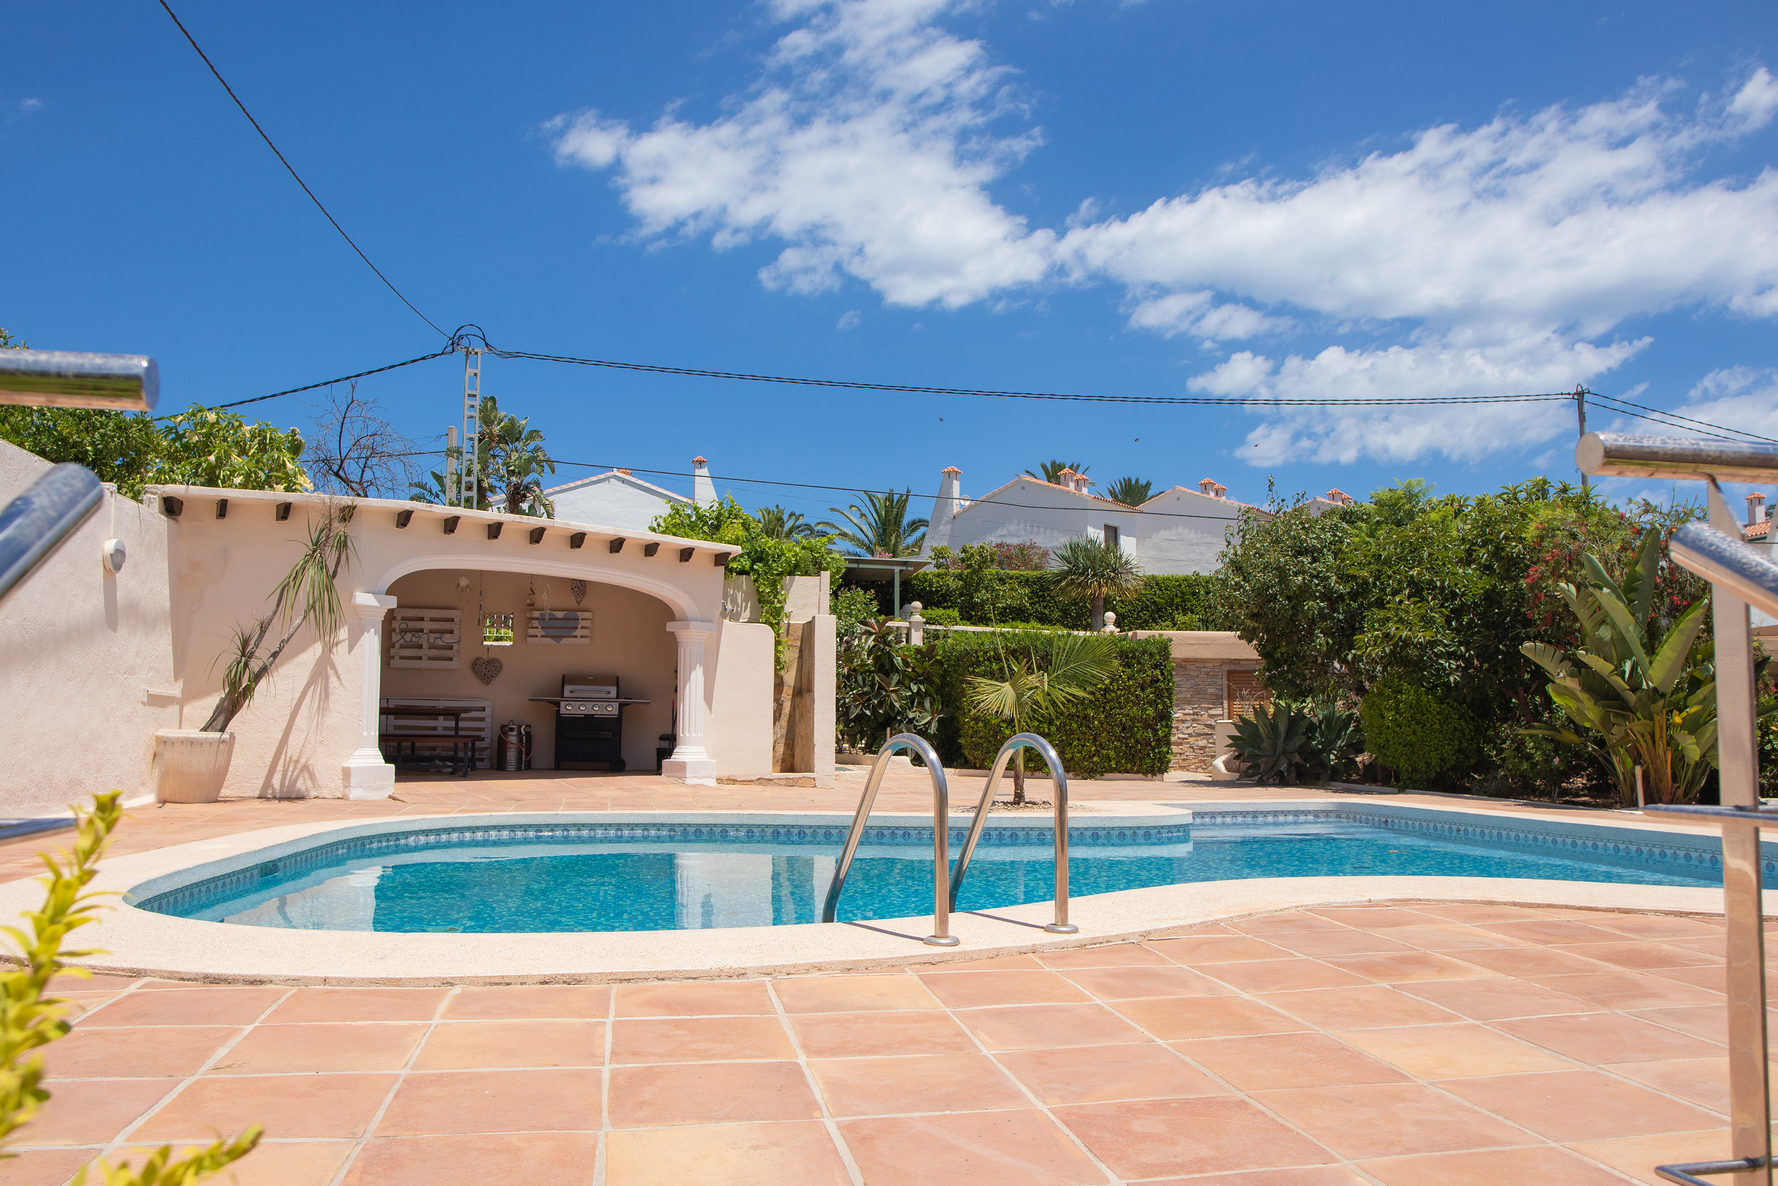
pixel 1638 701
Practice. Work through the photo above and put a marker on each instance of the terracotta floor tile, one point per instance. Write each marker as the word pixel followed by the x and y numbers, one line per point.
pixel 465 1045
pixel 1452 937
pixel 1716 945
pixel 1453 1051
pixel 972 990
pixel 1641 955
pixel 790 1153
pixel 852 994
pixel 1408 966
pixel 1094 1074
pixel 1123 984
pixel 91 1112
pixel 359 1004
pixel 430 1161
pixel 43 1167
pixel 1376 917
pixel 1596 1038
pixel 493 1101
pixel 1317 944
pixel 708 999
pixel 1497 997
pixel 1310 1175
pixel 1287 1060
pixel 1476 913
pixel 1491 1168
pixel 1551 932
pixel 291 1049
pixel 1217 949
pixel 1213 1134
pixel 699 1039
pixel 921 1083
pixel 1012 1148
pixel 1703 1081
pixel 842 1035
pixel 1633 990
pixel 1636 1157
pixel 1111 955
pixel 1532 961
pixel 272 1163
pixel 1283 975
pixel 1706 979
pixel 201 1006
pixel 1709 1022
pixel 1656 926
pixel 710 1093
pixel 150 1052
pixel 1358 1008
pixel 92 982
pixel 1390 1120
pixel 999 963
pixel 538 1001
pixel 1569 1106
pixel 1175 1018
pixel 1285 923
pixel 290 1106
pixel 1032 1027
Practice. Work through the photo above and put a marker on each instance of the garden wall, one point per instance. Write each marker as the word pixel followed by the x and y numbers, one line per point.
pixel 1202 662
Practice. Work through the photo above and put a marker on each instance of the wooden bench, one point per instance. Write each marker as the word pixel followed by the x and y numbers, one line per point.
pixel 459 745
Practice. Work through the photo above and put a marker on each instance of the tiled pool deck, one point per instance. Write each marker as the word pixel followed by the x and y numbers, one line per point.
pixel 1450 1044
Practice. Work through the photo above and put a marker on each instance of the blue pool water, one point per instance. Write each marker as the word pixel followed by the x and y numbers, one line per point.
pixel 491 880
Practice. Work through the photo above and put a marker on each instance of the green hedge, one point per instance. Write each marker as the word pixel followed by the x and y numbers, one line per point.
pixel 1124 726
pixel 1416 733
pixel 996 597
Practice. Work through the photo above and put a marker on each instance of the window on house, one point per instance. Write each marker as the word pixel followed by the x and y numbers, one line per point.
pixel 497 630
pixel 1110 536
pixel 1241 692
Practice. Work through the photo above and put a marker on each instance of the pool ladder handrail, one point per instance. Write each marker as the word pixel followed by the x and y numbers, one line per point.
pixel 941 835
pixel 1059 783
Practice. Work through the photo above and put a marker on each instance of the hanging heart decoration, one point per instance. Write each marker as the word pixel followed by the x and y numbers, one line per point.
pixel 578 588
pixel 487 668
pixel 558 626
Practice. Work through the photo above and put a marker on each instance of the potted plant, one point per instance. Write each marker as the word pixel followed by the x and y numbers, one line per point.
pixel 190 765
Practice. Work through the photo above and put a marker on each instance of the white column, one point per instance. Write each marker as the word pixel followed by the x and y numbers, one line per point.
pixel 690 762
pixel 365 775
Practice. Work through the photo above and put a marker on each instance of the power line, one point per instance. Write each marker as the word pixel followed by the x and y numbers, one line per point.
pixel 329 383
pixel 1675 420
pixel 293 173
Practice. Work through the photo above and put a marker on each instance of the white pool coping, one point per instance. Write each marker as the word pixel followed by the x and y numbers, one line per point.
pixel 141 943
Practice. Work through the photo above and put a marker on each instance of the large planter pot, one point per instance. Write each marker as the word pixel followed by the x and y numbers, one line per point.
pixel 190 766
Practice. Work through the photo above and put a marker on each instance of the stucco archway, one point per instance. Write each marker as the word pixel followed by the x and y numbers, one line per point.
pixel 676 598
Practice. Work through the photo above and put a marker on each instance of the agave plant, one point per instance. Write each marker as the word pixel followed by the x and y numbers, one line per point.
pixel 1336 743
pixel 1641 701
pixel 1276 742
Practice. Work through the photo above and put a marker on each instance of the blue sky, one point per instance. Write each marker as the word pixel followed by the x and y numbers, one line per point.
pixel 1173 197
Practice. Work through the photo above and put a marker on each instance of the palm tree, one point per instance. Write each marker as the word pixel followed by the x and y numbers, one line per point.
pixel 519 460
pixel 1052 471
pixel 1132 492
pixel 880 528
pixel 1091 568
pixel 777 523
pixel 1078 663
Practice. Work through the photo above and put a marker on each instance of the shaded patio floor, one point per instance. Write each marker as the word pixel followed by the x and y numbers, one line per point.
pixel 1459 1045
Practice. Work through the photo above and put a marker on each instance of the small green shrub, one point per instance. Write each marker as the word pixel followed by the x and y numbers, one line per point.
pixel 942 617
pixel 987 596
pixel 851 605
pixel 1416 733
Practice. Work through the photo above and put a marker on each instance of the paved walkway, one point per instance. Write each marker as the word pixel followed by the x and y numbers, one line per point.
pixel 1458 1045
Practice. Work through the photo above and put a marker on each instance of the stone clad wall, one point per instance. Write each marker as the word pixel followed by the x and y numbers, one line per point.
pixel 1202 660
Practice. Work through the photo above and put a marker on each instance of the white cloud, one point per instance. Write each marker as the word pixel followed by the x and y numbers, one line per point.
pixel 30 104
pixel 1489 259
pixel 1739 397
pixel 850 319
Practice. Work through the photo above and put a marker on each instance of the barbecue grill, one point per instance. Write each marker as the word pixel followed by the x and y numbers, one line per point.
pixel 589 722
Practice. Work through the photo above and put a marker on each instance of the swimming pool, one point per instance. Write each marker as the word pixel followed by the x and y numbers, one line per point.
pixel 590 876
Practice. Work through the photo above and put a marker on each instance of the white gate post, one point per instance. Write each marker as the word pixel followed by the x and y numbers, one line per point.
pixel 690 763
pixel 366 775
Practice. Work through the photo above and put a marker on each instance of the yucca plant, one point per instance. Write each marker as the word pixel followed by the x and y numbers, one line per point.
pixel 1078 663
pixel 31 1019
pixel 1276 743
pixel 1093 569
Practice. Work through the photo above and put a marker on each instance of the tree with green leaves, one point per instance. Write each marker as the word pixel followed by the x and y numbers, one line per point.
pixel 1051 471
pixel 510 463
pixel 1077 664
pixel 1090 568
pixel 881 527
pixel 779 523
pixel 1132 492
pixel 197 447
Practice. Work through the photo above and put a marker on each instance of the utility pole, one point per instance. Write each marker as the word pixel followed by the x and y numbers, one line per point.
pixel 451 488
pixel 1580 411
pixel 472 409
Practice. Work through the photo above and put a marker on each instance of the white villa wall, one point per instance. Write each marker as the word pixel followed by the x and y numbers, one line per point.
pixel 611 501
pixel 88 671
pixel 739 689
pixel 1183 531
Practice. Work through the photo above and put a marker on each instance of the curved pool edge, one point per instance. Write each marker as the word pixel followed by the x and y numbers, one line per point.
pixel 141 943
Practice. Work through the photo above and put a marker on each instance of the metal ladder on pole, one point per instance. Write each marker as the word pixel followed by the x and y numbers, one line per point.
pixel 941 835
pixel 472 424
pixel 1059 783
pixel 1739 576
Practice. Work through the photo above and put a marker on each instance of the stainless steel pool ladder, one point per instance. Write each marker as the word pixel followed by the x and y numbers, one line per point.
pixel 941 835
pixel 1059 785
pixel 1739 576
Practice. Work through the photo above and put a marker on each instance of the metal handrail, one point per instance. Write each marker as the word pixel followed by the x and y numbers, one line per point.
pixel 34 524
pixel 941 835
pixel 1059 781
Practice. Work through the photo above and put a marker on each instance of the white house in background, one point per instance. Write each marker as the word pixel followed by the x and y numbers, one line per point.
pixel 618 498
pixel 1176 531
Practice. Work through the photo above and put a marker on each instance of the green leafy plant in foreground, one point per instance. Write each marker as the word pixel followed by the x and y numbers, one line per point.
pixel 30 1019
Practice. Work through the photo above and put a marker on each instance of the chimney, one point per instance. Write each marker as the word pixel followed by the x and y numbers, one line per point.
pixel 1082 483
pixel 1066 478
pixel 1340 497
pixel 703 490
pixel 1756 508
pixel 626 473
pixel 946 505
pixel 1211 487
